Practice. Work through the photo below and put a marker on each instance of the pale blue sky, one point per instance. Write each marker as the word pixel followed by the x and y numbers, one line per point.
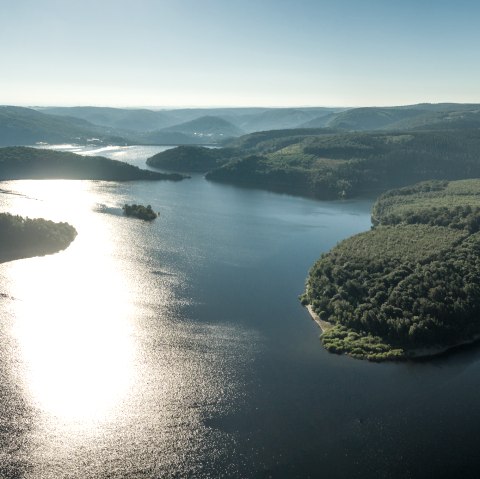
pixel 239 53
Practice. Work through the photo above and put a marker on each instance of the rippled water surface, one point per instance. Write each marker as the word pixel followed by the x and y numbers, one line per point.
pixel 178 348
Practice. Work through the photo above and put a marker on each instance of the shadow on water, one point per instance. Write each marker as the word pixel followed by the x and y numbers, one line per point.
pixel 463 354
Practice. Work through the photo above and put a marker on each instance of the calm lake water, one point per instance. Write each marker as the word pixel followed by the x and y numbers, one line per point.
pixel 178 348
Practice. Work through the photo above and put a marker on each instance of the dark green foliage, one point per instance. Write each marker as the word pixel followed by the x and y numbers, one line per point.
pixel 31 163
pixel 330 165
pixel 411 282
pixel 191 158
pixel 455 204
pixel 273 140
pixel 340 340
pixel 412 285
pixel 25 237
pixel 296 177
pixel 139 211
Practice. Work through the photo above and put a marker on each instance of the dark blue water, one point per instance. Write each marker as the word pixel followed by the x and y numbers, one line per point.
pixel 192 356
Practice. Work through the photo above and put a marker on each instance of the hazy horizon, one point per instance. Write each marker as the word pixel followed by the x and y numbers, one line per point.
pixel 246 54
pixel 220 107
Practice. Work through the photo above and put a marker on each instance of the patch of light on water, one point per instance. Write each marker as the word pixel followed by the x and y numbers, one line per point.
pixel 119 376
pixel 72 316
pixel 132 154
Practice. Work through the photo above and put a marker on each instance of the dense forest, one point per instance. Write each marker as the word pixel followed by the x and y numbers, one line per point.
pixel 32 163
pixel 24 237
pixel 455 204
pixel 329 164
pixel 411 282
pixel 191 159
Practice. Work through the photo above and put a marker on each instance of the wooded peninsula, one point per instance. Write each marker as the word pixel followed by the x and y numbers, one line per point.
pixel 411 285
pixel 33 163
pixel 25 237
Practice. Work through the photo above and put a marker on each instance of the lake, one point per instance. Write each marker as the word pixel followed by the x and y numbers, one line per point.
pixel 178 348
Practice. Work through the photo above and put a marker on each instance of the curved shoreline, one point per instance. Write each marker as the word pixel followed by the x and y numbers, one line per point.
pixel 418 353
pixel 323 325
pixel 23 238
pixel 7 257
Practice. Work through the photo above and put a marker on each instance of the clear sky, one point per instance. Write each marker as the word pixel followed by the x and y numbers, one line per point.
pixel 168 53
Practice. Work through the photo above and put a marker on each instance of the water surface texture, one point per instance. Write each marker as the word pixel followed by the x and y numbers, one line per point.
pixel 178 348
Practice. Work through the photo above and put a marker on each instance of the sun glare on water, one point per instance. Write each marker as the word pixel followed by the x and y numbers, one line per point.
pixel 73 314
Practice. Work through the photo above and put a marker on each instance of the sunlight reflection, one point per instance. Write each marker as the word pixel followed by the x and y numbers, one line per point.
pixel 74 313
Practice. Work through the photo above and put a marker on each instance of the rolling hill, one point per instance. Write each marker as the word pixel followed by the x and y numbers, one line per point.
pixel 25 126
pixel 412 117
pixel 213 128
pixel 330 165
pixel 137 120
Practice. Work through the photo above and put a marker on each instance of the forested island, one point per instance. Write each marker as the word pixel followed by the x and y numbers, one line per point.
pixel 139 211
pixel 24 237
pixel 32 163
pixel 411 285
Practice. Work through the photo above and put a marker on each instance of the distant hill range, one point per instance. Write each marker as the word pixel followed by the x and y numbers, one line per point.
pixel 82 125
pixel 228 121
pixel 423 116
pixel 25 126
pixel 215 124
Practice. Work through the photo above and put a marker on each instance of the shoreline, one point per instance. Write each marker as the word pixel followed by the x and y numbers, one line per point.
pixel 418 353
pixel 423 353
pixel 7 258
pixel 323 325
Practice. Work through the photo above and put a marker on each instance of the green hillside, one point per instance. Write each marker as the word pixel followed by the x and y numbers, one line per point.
pixel 422 116
pixel 118 118
pixel 212 127
pixel 32 163
pixel 25 126
pixel 279 118
pixel 444 203
pixel 191 158
pixel 364 119
pixel 329 165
